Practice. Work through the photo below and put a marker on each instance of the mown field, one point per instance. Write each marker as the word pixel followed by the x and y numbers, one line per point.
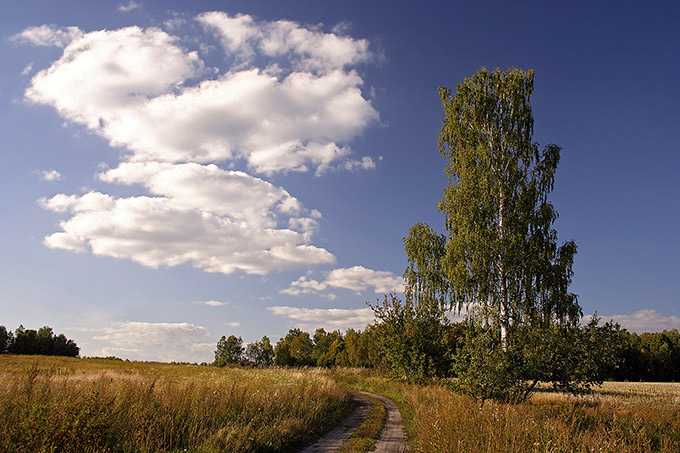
pixel 62 404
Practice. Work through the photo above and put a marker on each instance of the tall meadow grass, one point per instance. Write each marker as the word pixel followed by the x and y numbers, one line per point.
pixel 619 417
pixel 88 405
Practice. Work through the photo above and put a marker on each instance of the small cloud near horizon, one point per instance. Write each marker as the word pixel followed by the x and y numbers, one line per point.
pixel 328 318
pixel 211 303
pixel 357 279
pixel 157 341
pixel 645 321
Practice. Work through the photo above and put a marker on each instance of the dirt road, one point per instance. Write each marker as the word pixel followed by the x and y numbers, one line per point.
pixel 392 438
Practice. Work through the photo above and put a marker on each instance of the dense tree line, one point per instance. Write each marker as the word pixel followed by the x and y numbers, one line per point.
pixel 408 344
pixel 298 348
pixel 41 342
pixel 648 357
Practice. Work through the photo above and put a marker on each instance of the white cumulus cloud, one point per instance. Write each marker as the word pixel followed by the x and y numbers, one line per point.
pixel 357 279
pixel 129 86
pixel 156 341
pixel 207 188
pixel 48 36
pixel 328 318
pixel 129 6
pixel 212 303
pixel 157 231
pixel 646 321
pixel 290 101
pixel 308 49
pixel 50 175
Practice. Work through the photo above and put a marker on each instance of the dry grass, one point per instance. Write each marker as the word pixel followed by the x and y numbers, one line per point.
pixel 59 404
pixel 619 417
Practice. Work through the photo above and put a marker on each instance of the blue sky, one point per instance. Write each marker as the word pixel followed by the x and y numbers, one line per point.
pixel 173 172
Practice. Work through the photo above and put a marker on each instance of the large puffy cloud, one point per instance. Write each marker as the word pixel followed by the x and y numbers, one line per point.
pixel 130 86
pixel 357 279
pixel 146 93
pixel 156 341
pixel 207 188
pixel 156 231
pixel 328 318
pixel 112 73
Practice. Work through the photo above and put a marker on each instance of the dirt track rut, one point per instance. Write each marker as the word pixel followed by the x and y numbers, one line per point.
pixel 392 437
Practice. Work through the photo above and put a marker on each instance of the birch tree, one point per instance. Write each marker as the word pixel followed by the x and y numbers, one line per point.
pixel 502 256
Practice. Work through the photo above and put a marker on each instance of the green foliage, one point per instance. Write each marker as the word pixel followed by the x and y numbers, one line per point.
pixel 413 342
pixel 501 260
pixel 328 347
pixel 41 342
pixel 649 357
pixel 6 339
pixel 483 369
pixel 295 349
pixel 570 358
pixel 260 353
pixel 502 253
pixel 229 350
pixel 426 282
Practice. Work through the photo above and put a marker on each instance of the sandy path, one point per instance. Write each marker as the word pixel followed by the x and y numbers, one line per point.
pixel 334 439
pixel 392 438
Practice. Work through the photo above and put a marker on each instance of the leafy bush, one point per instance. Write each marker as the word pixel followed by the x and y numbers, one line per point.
pixel 414 343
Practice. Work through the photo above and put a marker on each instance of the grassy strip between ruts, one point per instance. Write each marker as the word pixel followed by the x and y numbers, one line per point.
pixel 363 439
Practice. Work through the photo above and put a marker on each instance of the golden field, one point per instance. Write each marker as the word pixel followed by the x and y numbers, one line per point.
pixel 99 405
pixel 618 417
pixel 64 404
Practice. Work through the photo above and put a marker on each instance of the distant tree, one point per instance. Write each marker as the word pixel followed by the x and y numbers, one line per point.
pixel 327 345
pixel 24 341
pixel 229 350
pixel 260 353
pixel 65 347
pixel 661 355
pixel 336 355
pixel 295 349
pixel 43 341
pixel 6 339
pixel 366 348
pixel 322 342
pixel 352 347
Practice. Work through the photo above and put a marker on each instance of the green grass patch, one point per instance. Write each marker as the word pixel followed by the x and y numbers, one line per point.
pixel 363 439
